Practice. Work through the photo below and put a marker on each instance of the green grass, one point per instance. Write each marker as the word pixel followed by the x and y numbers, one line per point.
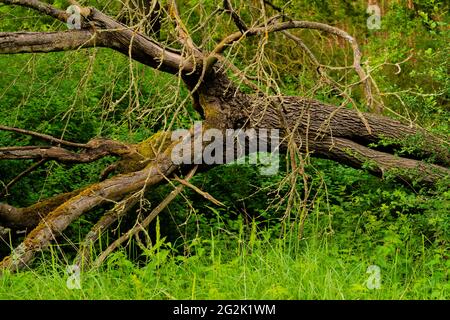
pixel 257 269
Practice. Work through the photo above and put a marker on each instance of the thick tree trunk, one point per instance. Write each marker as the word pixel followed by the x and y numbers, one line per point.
pixel 340 134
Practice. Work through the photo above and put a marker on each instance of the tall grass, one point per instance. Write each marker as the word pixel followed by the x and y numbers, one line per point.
pixel 251 267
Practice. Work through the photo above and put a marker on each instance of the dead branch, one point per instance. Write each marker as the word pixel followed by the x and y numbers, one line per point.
pixel 282 26
pixel 144 224
pixel 41 7
pixel 204 194
pixel 45 137
pixel 183 33
pixel 60 218
pixel 95 149
pixel 21 175
pixel 238 21
pixel 31 216
pixel 34 42
pixel 101 31
pixel 83 258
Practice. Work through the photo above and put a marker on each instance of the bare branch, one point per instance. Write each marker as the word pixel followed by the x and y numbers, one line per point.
pixel 204 194
pixel 29 42
pixel 274 7
pixel 275 27
pixel 140 47
pixel 83 258
pixel 97 148
pixel 29 217
pixel 101 31
pixel 379 163
pixel 39 6
pixel 45 137
pixel 183 33
pixel 238 21
pixel 144 224
pixel 304 47
pixel 60 218
pixel 21 175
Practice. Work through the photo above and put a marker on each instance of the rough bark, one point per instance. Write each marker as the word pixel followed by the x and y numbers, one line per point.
pixel 96 149
pixel 344 135
pixel 31 216
pixel 323 122
pixel 59 219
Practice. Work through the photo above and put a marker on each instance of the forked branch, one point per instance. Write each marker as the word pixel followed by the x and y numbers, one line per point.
pixel 293 24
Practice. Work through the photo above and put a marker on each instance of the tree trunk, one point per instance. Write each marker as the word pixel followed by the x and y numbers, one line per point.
pixel 325 131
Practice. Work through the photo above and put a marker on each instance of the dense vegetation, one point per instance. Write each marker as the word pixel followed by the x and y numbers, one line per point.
pixel 267 241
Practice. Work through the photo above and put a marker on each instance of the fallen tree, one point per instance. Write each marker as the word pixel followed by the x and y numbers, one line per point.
pixel 306 126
